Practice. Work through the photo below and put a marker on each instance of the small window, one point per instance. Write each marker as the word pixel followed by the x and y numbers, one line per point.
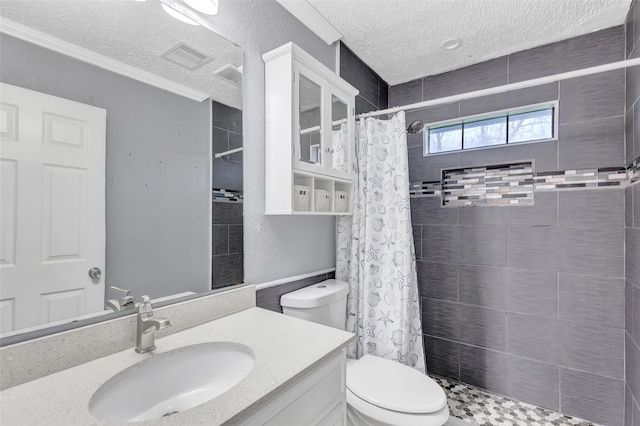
pixel 498 129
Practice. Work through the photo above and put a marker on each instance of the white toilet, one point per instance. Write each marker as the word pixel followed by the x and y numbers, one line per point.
pixel 380 392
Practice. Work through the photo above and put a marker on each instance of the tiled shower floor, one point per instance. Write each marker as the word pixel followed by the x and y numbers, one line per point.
pixel 475 405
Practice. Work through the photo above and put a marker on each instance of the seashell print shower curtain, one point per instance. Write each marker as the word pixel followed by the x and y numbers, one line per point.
pixel 375 253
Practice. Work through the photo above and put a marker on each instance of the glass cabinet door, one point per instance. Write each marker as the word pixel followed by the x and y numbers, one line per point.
pixel 310 121
pixel 338 148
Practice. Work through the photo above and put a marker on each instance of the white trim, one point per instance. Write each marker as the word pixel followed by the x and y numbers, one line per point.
pixel 310 17
pixel 508 87
pixel 291 279
pixel 55 44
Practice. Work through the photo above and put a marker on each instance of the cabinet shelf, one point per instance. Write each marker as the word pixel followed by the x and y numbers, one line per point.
pixel 310 136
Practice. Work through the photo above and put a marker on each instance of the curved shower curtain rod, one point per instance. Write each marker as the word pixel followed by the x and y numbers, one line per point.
pixel 508 87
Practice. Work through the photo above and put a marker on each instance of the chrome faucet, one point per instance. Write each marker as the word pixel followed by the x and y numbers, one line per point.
pixel 147 325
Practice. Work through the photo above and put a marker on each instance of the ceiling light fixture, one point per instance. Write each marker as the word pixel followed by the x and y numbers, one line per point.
pixel 179 16
pixel 208 7
pixel 451 43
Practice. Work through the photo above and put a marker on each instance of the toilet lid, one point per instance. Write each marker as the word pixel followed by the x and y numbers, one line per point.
pixel 394 386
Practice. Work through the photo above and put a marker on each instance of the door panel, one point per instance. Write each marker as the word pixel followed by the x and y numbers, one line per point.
pixel 52 207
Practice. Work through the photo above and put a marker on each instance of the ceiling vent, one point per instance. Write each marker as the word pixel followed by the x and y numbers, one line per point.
pixel 186 56
pixel 230 72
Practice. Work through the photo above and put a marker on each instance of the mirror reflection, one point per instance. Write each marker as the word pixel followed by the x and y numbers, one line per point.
pixel 310 121
pixel 136 213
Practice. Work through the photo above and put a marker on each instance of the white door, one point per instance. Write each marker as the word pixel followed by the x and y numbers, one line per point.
pixel 52 208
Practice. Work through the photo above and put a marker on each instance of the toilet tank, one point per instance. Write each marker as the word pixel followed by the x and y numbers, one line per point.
pixel 323 303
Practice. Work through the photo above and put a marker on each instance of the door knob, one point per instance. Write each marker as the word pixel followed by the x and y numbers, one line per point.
pixel 95 273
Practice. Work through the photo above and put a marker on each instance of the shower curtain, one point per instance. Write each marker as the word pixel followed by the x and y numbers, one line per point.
pixel 375 253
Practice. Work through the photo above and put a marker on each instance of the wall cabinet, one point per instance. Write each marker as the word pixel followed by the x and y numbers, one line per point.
pixel 310 135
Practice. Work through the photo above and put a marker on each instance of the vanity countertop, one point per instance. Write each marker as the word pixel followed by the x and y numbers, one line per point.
pixel 284 347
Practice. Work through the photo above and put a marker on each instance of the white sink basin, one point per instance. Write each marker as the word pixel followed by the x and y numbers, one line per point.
pixel 172 382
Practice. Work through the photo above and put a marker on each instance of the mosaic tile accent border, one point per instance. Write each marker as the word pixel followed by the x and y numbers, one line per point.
pixel 480 407
pixel 505 184
pixel 220 194
pixel 514 184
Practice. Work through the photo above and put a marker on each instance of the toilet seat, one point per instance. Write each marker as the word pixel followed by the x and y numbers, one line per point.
pixel 393 386
pixel 361 412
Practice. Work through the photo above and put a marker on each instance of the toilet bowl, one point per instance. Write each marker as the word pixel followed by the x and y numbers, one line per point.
pixel 380 392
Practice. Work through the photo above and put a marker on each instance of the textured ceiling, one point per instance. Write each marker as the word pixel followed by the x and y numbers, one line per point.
pixel 135 33
pixel 401 39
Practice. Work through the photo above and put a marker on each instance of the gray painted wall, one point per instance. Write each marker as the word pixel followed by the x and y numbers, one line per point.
pixel 275 246
pixel 528 302
pixel 632 231
pixel 158 178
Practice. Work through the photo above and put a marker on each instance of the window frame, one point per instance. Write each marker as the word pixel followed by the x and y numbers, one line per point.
pixel 487 116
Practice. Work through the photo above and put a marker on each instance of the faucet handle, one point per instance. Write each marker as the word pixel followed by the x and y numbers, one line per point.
pixel 126 301
pixel 121 290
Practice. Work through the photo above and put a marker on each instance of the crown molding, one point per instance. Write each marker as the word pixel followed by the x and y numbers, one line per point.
pixel 312 19
pixel 55 44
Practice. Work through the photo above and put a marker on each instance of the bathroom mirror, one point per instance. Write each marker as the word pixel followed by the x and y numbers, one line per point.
pixel 173 99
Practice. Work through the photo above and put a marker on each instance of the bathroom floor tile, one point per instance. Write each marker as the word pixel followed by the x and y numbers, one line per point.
pixel 485 409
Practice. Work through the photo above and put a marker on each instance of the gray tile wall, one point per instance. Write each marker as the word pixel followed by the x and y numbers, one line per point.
pixel 269 298
pixel 528 301
pixel 227 228
pixel 632 231
pixel 374 90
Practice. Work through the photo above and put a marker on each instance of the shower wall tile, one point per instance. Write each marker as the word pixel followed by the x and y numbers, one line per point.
pixel 374 92
pixel 417 240
pixel 632 362
pixel 513 99
pixel 443 357
pixel 465 324
pixel 602 209
pixel 634 151
pixel 633 29
pixel 629 135
pixel 438 280
pixel 632 240
pixel 474 245
pixel 363 106
pixel 544 211
pixel 269 298
pixel 592 97
pixel 593 251
pixel 628 206
pixel 429 168
pixel 592 144
pixel 635 191
pixel 358 74
pixel 475 77
pixel 591 348
pixel 606 406
pixel 633 86
pixel 628 308
pixel 226 270
pixel 532 292
pixel 406 93
pixel 634 327
pixel 543 154
pixel 600 47
pixel 440 243
pixel 524 379
pixel 428 210
pixel 227 118
pixel 236 236
pixel 227 213
pixel 628 407
pixel 483 245
pixel 588 299
pixel 220 239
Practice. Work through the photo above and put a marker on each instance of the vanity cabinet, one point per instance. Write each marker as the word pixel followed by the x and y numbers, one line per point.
pixel 310 135
pixel 317 399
